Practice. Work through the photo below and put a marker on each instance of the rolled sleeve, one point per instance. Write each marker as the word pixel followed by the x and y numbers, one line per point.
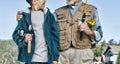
pixel 97 28
pixel 97 36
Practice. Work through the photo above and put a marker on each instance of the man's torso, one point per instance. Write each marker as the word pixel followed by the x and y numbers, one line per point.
pixel 69 34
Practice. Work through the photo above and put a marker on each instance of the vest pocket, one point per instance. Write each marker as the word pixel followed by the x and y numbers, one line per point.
pixel 62 36
pixel 62 25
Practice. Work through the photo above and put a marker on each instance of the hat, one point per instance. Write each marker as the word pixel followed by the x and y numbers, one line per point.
pixel 28 1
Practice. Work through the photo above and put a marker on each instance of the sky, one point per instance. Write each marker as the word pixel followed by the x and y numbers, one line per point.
pixel 109 13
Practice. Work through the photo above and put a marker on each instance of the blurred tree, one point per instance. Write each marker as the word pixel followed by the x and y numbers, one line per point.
pixel 103 43
pixel 111 41
pixel 119 42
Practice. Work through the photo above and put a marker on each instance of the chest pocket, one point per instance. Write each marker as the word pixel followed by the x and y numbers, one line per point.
pixel 62 22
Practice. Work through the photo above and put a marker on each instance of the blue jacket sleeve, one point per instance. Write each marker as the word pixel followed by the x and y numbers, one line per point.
pixel 97 28
pixel 15 35
pixel 55 39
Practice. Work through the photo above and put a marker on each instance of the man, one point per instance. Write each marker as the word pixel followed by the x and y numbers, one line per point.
pixel 73 50
pixel 38 26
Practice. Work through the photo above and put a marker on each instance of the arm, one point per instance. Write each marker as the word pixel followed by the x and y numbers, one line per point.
pixel 20 42
pixel 55 39
pixel 95 35
pixel 97 28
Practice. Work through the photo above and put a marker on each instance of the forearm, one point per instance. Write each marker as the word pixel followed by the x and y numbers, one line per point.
pixel 97 29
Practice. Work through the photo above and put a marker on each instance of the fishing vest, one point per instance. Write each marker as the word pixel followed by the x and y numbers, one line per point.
pixel 69 32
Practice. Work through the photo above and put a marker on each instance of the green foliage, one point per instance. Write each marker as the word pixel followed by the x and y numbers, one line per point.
pixel 98 51
pixel 103 43
pixel 111 41
pixel 8 52
pixel 118 59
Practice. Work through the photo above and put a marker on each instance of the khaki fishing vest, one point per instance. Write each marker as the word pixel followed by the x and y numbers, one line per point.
pixel 69 33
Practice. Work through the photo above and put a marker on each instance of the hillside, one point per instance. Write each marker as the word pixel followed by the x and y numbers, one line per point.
pixel 8 52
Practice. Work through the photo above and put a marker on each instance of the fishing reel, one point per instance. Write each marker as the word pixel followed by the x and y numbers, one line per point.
pixel 21 34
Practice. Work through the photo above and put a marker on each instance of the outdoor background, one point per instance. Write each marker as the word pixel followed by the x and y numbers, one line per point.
pixel 109 13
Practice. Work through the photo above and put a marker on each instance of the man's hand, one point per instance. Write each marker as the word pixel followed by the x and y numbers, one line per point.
pixel 19 15
pixel 54 62
pixel 28 37
pixel 85 28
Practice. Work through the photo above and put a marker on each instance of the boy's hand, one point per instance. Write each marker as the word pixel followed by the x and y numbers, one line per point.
pixel 28 37
pixel 54 62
